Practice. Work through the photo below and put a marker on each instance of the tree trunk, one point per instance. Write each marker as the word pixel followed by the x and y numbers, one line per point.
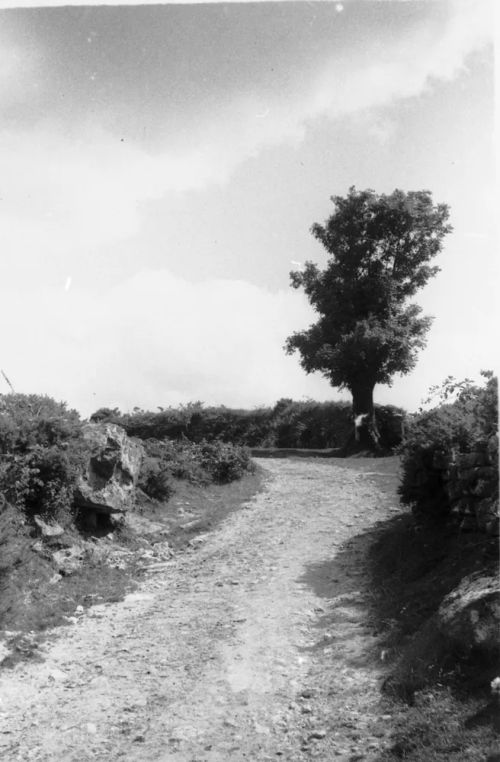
pixel 366 434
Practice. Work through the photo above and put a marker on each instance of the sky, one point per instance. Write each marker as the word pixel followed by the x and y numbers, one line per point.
pixel 161 167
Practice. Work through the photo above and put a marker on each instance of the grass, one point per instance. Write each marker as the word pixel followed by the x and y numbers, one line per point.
pixel 439 697
pixel 413 569
pixel 34 598
pixel 438 728
pixel 193 510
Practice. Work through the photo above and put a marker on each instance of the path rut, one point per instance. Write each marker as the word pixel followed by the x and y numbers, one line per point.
pixel 256 645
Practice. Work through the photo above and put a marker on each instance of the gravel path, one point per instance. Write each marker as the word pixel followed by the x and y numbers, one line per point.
pixel 256 645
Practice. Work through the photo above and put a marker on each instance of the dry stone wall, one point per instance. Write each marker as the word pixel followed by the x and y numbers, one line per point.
pixel 470 482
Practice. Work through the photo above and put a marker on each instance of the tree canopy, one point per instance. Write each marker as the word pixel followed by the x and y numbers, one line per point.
pixel 380 248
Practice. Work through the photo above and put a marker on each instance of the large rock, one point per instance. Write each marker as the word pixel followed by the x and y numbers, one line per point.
pixel 69 560
pixel 48 530
pixel 108 484
pixel 470 615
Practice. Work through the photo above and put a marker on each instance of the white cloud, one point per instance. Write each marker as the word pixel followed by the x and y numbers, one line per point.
pixel 86 189
pixel 157 339
pixel 16 66
pixel 434 51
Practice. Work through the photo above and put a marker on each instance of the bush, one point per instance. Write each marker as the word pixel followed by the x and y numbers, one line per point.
pixel 307 424
pixel 105 415
pixel 224 462
pixel 155 480
pixel 465 415
pixel 42 452
pixel 198 463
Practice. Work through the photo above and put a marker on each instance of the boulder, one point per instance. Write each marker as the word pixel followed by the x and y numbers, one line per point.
pixel 47 529
pixel 470 615
pixel 108 484
pixel 69 560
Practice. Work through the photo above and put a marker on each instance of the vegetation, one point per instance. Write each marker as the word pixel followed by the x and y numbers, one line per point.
pixel 203 463
pixel 437 694
pixel 42 452
pixel 31 600
pixel 463 413
pixel 380 247
pixel 437 689
pixel 289 424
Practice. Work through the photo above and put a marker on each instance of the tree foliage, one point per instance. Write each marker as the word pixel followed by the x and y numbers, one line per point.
pixel 380 248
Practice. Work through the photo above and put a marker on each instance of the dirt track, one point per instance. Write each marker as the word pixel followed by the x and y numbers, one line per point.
pixel 256 645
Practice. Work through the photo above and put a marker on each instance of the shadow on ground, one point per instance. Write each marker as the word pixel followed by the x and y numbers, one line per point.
pixel 386 584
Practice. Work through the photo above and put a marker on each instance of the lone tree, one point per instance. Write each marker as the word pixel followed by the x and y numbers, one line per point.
pixel 380 247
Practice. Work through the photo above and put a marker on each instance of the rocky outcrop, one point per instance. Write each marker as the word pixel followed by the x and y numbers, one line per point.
pixel 48 530
pixel 69 560
pixel 470 615
pixel 110 478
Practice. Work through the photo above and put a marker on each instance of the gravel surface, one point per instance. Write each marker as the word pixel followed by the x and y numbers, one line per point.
pixel 254 645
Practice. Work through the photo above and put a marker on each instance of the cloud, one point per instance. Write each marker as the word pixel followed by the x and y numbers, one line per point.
pixel 84 188
pixel 16 63
pixel 436 50
pixel 157 339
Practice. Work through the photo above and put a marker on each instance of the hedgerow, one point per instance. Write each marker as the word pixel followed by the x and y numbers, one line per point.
pixel 290 424
pixel 465 413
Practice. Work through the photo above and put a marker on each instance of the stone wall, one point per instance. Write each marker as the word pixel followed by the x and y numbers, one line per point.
pixel 470 481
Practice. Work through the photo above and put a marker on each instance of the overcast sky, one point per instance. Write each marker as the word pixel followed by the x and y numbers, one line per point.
pixel 161 167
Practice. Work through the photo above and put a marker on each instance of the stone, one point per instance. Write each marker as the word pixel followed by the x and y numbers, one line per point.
pixel 441 460
pixel 46 529
pixel 320 733
pixel 470 615
pixel 461 506
pixel 468 524
pixel 471 459
pixel 110 478
pixel 495 687
pixel 493 527
pixel 486 511
pixel 69 560
pixel 493 447
pixel 56 675
pixel 4 651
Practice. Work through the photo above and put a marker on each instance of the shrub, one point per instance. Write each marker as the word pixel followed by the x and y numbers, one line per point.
pixel 305 424
pixel 155 480
pixel 224 462
pixel 311 424
pixel 105 415
pixel 465 414
pixel 42 452
pixel 198 463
